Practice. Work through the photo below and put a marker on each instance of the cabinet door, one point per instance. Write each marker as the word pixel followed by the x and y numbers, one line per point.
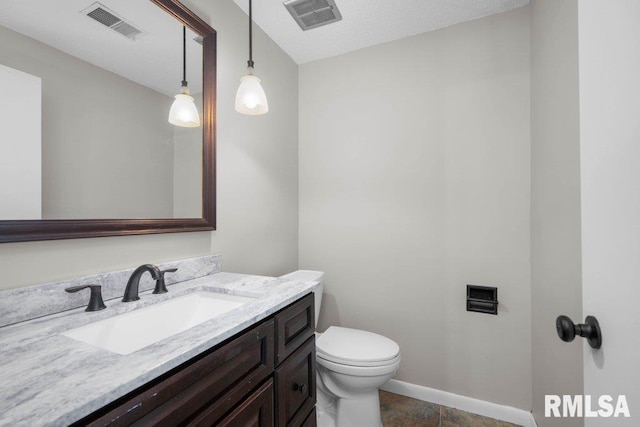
pixel 255 411
pixel 294 325
pixel 295 382
pixel 312 420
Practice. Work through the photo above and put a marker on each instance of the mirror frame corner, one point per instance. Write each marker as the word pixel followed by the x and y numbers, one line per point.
pixel 38 230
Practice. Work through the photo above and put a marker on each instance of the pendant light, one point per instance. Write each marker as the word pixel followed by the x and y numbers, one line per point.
pixel 184 112
pixel 250 98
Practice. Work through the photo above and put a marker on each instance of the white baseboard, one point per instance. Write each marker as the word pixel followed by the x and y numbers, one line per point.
pixel 468 404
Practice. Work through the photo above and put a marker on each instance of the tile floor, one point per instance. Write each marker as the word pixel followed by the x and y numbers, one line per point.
pixel 401 411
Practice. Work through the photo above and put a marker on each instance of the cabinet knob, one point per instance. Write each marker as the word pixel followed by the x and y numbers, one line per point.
pixel 300 388
pixel 590 330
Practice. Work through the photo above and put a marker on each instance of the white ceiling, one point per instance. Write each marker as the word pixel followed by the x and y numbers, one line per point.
pixel 367 23
pixel 153 60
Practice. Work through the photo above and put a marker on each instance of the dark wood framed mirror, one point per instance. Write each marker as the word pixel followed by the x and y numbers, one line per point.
pixel 21 230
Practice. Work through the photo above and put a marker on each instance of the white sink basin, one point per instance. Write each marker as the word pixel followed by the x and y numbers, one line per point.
pixel 137 329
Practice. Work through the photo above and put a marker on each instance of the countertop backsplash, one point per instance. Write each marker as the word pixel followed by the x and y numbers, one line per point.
pixel 50 298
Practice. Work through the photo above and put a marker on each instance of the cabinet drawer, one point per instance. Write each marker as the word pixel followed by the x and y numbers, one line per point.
pixel 295 384
pixel 232 371
pixel 294 325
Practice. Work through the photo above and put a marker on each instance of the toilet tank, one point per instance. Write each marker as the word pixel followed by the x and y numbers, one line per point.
pixel 310 276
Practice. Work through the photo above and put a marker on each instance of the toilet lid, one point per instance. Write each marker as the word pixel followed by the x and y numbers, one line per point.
pixel 355 347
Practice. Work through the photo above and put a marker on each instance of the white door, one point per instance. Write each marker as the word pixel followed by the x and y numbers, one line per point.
pixel 609 38
pixel 20 145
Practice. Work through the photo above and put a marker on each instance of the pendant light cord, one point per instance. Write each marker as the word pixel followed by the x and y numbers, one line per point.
pixel 184 55
pixel 250 61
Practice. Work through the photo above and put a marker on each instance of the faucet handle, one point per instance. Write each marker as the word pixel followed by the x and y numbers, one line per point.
pixel 95 300
pixel 161 287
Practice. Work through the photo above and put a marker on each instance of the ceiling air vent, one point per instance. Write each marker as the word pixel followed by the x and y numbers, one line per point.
pixel 110 19
pixel 311 14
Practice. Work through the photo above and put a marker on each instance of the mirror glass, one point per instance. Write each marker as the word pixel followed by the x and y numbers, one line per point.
pixel 86 91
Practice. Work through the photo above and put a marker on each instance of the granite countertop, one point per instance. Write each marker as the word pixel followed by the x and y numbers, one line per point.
pixel 48 379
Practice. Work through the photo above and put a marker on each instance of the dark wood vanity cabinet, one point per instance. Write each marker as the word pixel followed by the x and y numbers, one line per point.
pixel 264 376
pixel 295 385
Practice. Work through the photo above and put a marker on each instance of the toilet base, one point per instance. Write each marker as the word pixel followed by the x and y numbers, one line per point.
pixel 326 410
pixel 361 410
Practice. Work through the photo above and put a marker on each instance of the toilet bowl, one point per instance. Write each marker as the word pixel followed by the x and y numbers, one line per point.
pixel 351 365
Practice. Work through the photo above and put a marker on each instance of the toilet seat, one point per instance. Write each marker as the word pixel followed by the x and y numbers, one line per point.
pixel 356 348
pixel 359 371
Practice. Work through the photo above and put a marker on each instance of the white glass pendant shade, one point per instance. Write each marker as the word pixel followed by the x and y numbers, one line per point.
pixel 250 98
pixel 184 112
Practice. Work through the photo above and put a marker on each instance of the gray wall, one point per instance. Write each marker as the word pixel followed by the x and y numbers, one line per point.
pixel 556 285
pixel 107 148
pixel 257 180
pixel 415 181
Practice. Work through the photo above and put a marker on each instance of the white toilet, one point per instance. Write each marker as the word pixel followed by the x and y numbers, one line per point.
pixel 351 366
